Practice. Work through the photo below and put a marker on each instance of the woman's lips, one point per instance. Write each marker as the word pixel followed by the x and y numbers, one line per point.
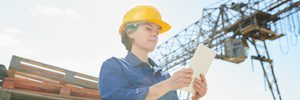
pixel 153 40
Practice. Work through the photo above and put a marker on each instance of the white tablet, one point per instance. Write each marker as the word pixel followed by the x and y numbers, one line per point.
pixel 200 62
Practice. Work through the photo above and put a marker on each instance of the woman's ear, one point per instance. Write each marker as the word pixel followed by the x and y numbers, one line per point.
pixel 131 34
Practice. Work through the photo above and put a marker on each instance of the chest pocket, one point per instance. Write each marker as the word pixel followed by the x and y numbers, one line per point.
pixel 138 81
pixel 135 77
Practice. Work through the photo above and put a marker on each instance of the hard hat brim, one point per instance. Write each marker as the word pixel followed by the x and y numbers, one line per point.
pixel 164 26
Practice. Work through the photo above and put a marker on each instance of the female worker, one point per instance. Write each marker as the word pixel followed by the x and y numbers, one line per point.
pixel 136 77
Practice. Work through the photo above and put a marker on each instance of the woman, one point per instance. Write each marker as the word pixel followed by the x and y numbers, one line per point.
pixel 134 77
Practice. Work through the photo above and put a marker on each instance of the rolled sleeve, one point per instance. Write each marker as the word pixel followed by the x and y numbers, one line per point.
pixel 113 84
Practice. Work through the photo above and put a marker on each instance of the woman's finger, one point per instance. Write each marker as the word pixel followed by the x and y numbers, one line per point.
pixel 197 80
pixel 200 83
pixel 203 79
pixel 187 70
pixel 197 87
pixel 196 96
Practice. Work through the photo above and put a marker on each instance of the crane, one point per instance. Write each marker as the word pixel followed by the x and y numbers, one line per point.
pixel 230 29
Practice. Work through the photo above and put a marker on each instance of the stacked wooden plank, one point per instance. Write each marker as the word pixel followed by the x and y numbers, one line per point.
pixel 35 80
pixel 3 73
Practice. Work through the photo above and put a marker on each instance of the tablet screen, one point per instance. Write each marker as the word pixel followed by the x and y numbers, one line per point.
pixel 200 63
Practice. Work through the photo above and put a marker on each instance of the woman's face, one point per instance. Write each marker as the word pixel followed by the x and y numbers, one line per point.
pixel 146 36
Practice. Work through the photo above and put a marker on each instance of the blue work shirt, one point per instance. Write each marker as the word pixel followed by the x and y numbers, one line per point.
pixel 129 79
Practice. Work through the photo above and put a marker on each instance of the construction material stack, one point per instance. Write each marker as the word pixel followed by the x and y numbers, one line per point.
pixel 32 80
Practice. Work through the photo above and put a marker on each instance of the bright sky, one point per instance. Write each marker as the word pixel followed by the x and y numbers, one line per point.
pixel 79 35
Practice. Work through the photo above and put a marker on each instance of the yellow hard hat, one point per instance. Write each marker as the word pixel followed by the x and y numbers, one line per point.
pixel 145 13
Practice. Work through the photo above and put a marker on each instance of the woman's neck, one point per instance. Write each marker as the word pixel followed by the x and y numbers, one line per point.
pixel 141 54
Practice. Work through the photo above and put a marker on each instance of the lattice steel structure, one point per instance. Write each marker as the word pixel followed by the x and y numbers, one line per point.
pixel 228 27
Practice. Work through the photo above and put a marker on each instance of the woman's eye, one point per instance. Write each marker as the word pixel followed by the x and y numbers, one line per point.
pixel 149 29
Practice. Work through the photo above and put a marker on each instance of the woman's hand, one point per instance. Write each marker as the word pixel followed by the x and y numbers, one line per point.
pixel 180 79
pixel 200 87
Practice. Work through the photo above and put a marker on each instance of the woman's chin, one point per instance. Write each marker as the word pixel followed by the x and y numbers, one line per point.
pixel 151 49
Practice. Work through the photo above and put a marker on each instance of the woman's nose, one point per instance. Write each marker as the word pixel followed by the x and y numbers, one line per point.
pixel 155 36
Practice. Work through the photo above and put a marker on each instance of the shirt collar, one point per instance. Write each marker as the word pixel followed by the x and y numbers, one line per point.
pixel 135 61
